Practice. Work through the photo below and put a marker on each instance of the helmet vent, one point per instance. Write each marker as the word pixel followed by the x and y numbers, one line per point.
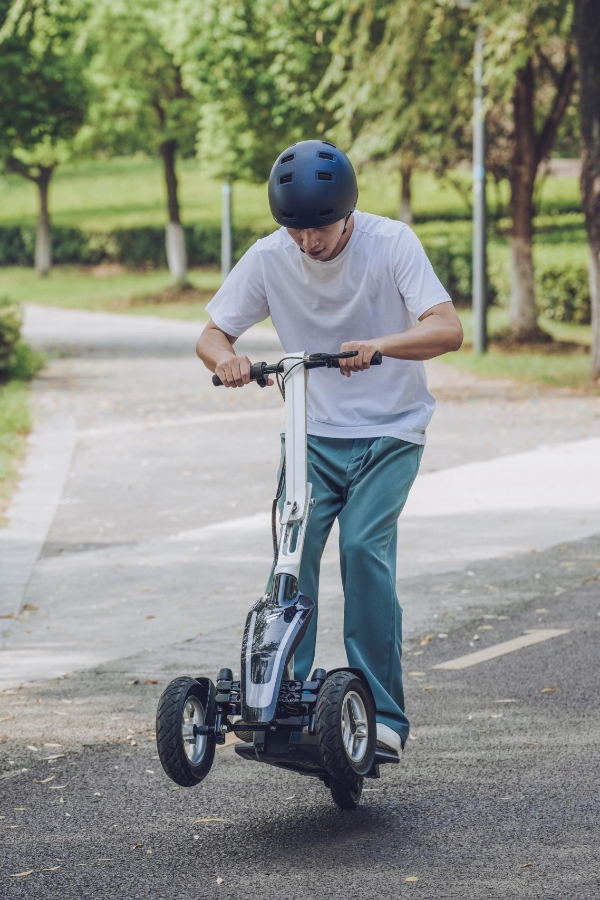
pixel 287 159
pixel 286 215
pixel 323 155
pixel 326 212
pixel 324 176
pixel 285 179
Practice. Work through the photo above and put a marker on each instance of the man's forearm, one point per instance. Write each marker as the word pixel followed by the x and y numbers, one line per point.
pixel 214 346
pixel 429 338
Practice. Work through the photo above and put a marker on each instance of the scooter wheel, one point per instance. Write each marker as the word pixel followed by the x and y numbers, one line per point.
pixel 346 796
pixel 346 729
pixel 186 757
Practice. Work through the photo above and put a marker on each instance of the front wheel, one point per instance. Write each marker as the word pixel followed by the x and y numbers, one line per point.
pixel 346 796
pixel 185 756
pixel 346 729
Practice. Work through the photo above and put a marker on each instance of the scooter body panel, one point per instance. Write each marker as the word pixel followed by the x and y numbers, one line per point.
pixel 275 626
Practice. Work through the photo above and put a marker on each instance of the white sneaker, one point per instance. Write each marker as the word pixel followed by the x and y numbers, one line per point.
pixel 388 739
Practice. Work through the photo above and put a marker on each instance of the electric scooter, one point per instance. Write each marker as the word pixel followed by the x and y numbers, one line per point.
pixel 324 727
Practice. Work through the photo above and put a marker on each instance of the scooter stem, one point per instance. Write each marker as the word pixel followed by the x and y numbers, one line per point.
pixel 297 503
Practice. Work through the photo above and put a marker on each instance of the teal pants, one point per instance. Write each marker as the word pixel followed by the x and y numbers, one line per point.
pixel 364 483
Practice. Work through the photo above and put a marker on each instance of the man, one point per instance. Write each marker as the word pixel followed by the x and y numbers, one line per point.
pixel 335 279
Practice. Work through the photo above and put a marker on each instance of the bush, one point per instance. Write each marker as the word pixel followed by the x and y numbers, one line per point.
pixel 563 294
pixel 135 247
pixel 11 320
pixel 17 359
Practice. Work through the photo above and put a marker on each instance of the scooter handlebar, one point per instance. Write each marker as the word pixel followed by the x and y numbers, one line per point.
pixel 260 371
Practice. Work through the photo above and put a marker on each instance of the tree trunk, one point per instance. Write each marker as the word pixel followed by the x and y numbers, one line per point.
pixel 523 319
pixel 175 238
pixel 405 207
pixel 587 13
pixel 43 242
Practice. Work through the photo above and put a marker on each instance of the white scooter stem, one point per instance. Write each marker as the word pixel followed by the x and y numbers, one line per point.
pixel 297 504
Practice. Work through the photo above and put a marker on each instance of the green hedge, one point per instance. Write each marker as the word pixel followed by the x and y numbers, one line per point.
pixel 137 247
pixel 561 271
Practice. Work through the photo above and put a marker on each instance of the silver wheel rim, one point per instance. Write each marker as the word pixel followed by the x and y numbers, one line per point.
pixel 193 744
pixel 355 728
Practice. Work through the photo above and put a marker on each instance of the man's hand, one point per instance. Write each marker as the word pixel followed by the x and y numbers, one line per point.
pixel 234 371
pixel 366 350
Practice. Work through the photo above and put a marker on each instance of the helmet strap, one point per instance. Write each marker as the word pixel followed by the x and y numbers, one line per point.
pixel 346 222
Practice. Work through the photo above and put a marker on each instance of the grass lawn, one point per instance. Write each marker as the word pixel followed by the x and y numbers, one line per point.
pixel 93 289
pixel 15 423
pixel 126 192
pixel 556 369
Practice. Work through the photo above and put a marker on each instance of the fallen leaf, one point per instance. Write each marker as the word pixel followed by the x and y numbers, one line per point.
pixel 19 808
pixel 32 748
pixel 30 607
pixel 550 690
pixel 485 628
pixel 526 865
pixel 151 681
pixel 541 610
pixel 8 616
pixel 293 797
pixel 56 787
pixel 559 590
pixel 205 820
pixel 50 868
pixel 21 874
pixel 62 800
pixel 495 715
pixel 137 846
pixel 534 743
pixel 412 878
pixel 506 798
pixel 219 880
pixel 417 674
pixel 52 758
pixel 426 640
pixel 491 587
pixel 6 718
pixel 429 687
pixel 150 617
pixel 57 712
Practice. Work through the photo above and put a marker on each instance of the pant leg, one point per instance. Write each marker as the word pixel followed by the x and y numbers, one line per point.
pixel 378 486
pixel 326 473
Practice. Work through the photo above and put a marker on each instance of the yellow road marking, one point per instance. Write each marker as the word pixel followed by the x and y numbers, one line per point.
pixel 526 640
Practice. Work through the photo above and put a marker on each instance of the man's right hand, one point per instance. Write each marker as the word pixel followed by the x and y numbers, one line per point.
pixel 234 371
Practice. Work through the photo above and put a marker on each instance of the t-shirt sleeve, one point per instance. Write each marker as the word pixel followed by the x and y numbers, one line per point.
pixel 418 284
pixel 241 301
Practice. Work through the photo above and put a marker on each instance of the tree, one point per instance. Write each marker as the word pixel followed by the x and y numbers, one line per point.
pixel 254 66
pixel 531 67
pixel 587 29
pixel 398 87
pixel 141 102
pixel 43 98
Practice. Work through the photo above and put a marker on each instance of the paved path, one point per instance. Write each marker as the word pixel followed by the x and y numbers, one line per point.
pixel 144 512
pixel 145 568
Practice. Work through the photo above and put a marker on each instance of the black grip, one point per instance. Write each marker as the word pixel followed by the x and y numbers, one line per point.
pixel 256 373
pixel 376 360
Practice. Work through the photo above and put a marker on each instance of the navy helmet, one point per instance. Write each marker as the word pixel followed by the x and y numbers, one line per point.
pixel 312 184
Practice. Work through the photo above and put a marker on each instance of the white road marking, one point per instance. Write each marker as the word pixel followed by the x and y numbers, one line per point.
pixel 526 640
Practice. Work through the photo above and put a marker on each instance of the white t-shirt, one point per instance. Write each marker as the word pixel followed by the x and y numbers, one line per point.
pixel 379 284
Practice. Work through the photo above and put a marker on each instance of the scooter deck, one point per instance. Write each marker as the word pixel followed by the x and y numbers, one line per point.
pixel 298 752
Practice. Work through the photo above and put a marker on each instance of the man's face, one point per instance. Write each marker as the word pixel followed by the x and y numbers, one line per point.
pixel 321 243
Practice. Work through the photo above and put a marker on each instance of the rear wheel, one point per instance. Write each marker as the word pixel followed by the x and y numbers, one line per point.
pixel 346 796
pixel 185 755
pixel 346 729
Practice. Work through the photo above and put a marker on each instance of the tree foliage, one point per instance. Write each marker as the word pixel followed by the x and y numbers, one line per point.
pixel 255 66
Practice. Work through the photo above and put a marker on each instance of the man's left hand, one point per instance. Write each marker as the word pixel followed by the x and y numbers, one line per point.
pixel 366 350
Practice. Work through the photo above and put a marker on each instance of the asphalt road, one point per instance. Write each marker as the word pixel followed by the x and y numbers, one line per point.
pixel 497 795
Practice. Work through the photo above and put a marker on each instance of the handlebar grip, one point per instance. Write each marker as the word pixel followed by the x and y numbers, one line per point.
pixel 256 372
pixel 376 360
